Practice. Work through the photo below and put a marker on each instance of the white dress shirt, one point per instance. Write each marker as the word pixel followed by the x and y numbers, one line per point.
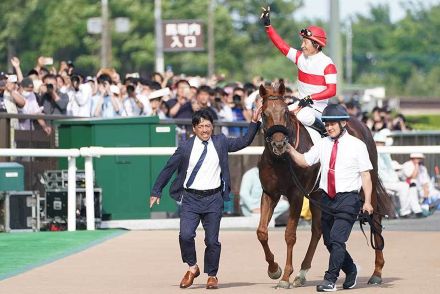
pixel 208 176
pixel 352 159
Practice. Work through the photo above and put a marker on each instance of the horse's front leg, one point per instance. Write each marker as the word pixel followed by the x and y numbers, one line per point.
pixel 300 279
pixel 290 237
pixel 376 277
pixel 266 211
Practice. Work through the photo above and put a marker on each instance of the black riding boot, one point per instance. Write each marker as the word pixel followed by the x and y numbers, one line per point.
pixel 319 126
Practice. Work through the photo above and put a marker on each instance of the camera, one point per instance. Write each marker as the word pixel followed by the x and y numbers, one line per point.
pixel 49 87
pixel 236 99
pixel 130 89
pixel 217 99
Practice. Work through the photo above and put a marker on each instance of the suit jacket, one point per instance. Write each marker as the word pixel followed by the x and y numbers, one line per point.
pixel 180 159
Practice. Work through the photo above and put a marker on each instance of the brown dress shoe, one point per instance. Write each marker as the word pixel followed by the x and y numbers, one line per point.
pixel 212 283
pixel 188 278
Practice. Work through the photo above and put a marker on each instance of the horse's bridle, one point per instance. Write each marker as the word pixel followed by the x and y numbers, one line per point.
pixel 280 128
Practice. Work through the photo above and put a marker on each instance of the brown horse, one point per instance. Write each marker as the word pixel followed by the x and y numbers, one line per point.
pixel 280 128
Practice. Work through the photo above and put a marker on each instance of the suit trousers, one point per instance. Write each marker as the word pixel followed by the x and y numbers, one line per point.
pixel 337 229
pixel 209 210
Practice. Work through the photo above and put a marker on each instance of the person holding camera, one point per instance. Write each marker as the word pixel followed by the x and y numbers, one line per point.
pixel 54 102
pixel 237 111
pixel 224 112
pixel 80 97
pixel 202 100
pixel 31 107
pixel 316 71
pixel 106 102
pixel 132 105
pixel 180 106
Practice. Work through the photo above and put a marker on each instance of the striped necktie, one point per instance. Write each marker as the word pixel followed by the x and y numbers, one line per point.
pixel 198 165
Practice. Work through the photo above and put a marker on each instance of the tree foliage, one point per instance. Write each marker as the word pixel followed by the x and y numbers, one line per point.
pixel 403 55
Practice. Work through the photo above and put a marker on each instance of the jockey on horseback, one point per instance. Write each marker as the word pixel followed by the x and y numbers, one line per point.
pixel 316 71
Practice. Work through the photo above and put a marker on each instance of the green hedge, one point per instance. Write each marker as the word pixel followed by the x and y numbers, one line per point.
pixel 424 122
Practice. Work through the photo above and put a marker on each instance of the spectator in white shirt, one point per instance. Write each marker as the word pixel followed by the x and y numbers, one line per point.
pixel 408 200
pixel 81 95
pixel 156 102
pixel 31 107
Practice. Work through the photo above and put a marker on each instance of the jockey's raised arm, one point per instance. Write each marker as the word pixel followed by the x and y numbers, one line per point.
pixel 317 74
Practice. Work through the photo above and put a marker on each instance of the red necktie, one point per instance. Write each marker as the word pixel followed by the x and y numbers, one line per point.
pixel 331 187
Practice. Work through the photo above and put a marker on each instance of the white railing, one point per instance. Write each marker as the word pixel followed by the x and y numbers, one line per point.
pixel 89 152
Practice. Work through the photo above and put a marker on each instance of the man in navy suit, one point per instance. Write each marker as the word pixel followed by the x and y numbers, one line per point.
pixel 201 185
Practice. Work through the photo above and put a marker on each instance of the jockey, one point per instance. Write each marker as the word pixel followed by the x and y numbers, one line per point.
pixel 316 71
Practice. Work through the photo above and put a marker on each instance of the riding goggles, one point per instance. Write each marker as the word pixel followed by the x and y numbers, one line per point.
pixel 305 33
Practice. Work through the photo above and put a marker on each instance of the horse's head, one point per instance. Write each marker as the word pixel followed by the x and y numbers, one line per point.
pixel 277 125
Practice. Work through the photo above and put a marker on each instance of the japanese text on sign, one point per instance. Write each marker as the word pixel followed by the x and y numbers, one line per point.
pixel 183 35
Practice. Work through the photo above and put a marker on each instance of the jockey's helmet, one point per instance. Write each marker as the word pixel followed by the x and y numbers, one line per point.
pixel 334 112
pixel 316 34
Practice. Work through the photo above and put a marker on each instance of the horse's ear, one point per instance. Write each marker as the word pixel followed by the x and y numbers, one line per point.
pixel 262 91
pixel 282 88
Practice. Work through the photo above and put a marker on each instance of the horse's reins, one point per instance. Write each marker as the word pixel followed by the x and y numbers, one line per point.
pixel 279 128
pixel 363 218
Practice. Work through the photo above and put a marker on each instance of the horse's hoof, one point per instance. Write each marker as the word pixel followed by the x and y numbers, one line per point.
pixel 276 275
pixel 283 285
pixel 299 281
pixel 375 280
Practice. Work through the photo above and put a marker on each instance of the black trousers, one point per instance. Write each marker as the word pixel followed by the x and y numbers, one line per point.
pixel 209 210
pixel 337 229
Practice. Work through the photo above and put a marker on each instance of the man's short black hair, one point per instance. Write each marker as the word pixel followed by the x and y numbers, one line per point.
pixel 198 115
pixel 204 88
pixel 181 82
pixel 131 81
pixel 49 76
pixel 104 78
pixel 155 86
pixel 249 88
pixel 32 72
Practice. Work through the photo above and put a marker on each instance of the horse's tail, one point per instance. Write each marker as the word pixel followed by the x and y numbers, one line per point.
pixel 385 205
pixel 380 199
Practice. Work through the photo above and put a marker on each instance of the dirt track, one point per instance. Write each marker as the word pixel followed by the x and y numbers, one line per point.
pixel 149 262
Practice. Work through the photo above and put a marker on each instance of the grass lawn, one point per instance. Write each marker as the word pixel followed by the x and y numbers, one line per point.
pixel 20 252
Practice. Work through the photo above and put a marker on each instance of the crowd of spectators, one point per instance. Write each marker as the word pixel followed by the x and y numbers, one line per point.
pixel 379 118
pixel 46 89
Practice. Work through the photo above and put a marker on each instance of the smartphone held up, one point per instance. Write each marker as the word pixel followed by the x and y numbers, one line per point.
pixel 47 61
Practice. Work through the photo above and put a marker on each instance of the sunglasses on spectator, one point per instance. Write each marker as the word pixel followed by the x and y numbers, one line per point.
pixel 305 33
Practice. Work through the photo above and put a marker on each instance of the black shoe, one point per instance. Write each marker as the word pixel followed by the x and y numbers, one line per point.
pixel 319 126
pixel 350 279
pixel 326 286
